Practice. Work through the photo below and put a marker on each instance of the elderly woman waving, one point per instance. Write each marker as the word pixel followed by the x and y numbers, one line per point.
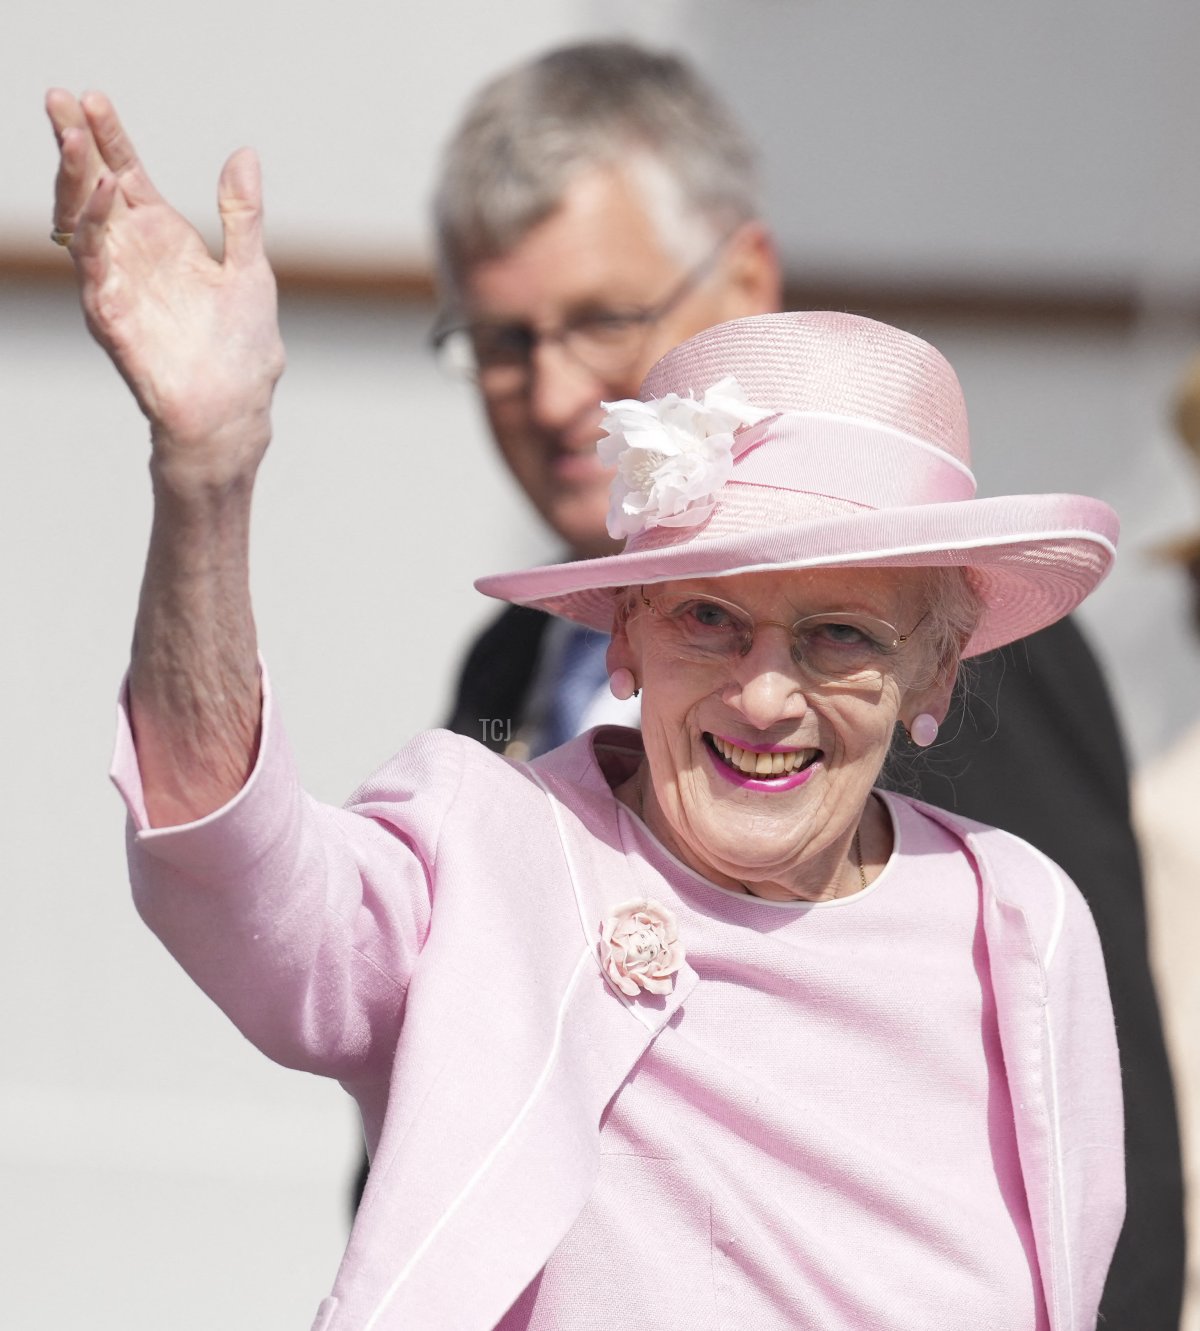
pixel 691 1028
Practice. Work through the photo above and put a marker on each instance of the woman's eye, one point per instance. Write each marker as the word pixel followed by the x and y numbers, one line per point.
pixel 710 616
pixel 843 633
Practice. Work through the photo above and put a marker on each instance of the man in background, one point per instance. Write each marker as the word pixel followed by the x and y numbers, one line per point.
pixel 596 207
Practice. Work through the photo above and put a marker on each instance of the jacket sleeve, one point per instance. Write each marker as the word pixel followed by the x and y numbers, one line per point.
pixel 303 922
pixel 1034 746
pixel 1060 1055
pixel 1084 1081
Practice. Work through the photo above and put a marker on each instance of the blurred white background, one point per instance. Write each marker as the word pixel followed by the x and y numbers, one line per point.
pixel 1020 186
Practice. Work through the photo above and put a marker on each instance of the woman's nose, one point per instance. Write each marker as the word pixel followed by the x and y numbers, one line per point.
pixel 765 685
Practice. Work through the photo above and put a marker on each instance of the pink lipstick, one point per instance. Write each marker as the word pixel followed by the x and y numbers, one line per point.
pixel 767 784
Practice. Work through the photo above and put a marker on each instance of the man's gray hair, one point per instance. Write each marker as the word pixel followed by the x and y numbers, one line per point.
pixel 530 131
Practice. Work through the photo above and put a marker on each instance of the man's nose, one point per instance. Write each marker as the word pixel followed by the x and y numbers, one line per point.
pixel 561 390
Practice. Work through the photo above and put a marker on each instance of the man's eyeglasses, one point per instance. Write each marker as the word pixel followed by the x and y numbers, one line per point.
pixel 607 342
pixel 840 646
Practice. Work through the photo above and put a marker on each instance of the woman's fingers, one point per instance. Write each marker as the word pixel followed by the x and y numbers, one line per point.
pixel 64 111
pixel 239 198
pixel 88 245
pixel 74 182
pixel 116 149
pixel 197 341
pixel 79 160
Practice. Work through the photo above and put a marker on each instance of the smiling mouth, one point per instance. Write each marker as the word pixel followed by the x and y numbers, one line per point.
pixel 762 766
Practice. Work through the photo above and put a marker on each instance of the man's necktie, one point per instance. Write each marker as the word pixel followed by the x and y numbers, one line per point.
pixel 581 675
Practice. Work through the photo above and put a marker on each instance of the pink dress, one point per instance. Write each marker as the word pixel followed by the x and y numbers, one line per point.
pixel 743 1158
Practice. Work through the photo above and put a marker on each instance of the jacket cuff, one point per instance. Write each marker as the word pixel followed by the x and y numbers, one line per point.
pixel 248 818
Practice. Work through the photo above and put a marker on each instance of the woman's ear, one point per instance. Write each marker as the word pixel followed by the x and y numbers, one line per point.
pixel 622 678
pixel 932 700
pixel 620 655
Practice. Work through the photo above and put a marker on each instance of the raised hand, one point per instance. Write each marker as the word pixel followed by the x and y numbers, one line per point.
pixel 196 339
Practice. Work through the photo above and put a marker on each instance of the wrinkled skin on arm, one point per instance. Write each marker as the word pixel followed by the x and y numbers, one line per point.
pixel 197 341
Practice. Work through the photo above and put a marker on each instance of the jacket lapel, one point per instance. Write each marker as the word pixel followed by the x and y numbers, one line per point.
pixel 605 875
pixel 540 1164
pixel 1020 988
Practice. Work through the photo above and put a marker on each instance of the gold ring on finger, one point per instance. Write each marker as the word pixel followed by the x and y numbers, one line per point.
pixel 62 238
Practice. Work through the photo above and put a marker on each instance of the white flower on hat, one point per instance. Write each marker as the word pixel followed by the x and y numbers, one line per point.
pixel 672 455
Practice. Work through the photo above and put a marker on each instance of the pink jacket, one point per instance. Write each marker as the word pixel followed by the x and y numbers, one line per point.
pixel 433 946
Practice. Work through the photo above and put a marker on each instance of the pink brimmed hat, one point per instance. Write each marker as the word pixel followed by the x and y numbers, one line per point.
pixel 820 440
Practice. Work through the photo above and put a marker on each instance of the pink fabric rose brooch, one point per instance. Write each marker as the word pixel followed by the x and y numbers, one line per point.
pixel 640 948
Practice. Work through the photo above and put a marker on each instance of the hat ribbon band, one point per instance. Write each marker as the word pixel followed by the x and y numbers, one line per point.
pixel 849 459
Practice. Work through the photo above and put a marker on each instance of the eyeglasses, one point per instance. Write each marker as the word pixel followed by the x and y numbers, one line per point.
pixel 606 342
pixel 839 646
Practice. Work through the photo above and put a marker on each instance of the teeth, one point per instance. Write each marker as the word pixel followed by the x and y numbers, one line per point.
pixel 761 764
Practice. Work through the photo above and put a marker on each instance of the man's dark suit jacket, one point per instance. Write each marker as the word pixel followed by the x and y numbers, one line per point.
pixel 1032 746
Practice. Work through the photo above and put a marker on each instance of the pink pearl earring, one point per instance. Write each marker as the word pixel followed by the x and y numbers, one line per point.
pixel 923 731
pixel 622 684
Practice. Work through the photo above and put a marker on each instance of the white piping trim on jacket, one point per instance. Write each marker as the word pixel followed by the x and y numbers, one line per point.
pixel 1056 1183
pixel 1055 875
pixel 1060 1172
pixel 562 840
pixel 648 1020
pixel 490 1158
pixel 1059 1190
